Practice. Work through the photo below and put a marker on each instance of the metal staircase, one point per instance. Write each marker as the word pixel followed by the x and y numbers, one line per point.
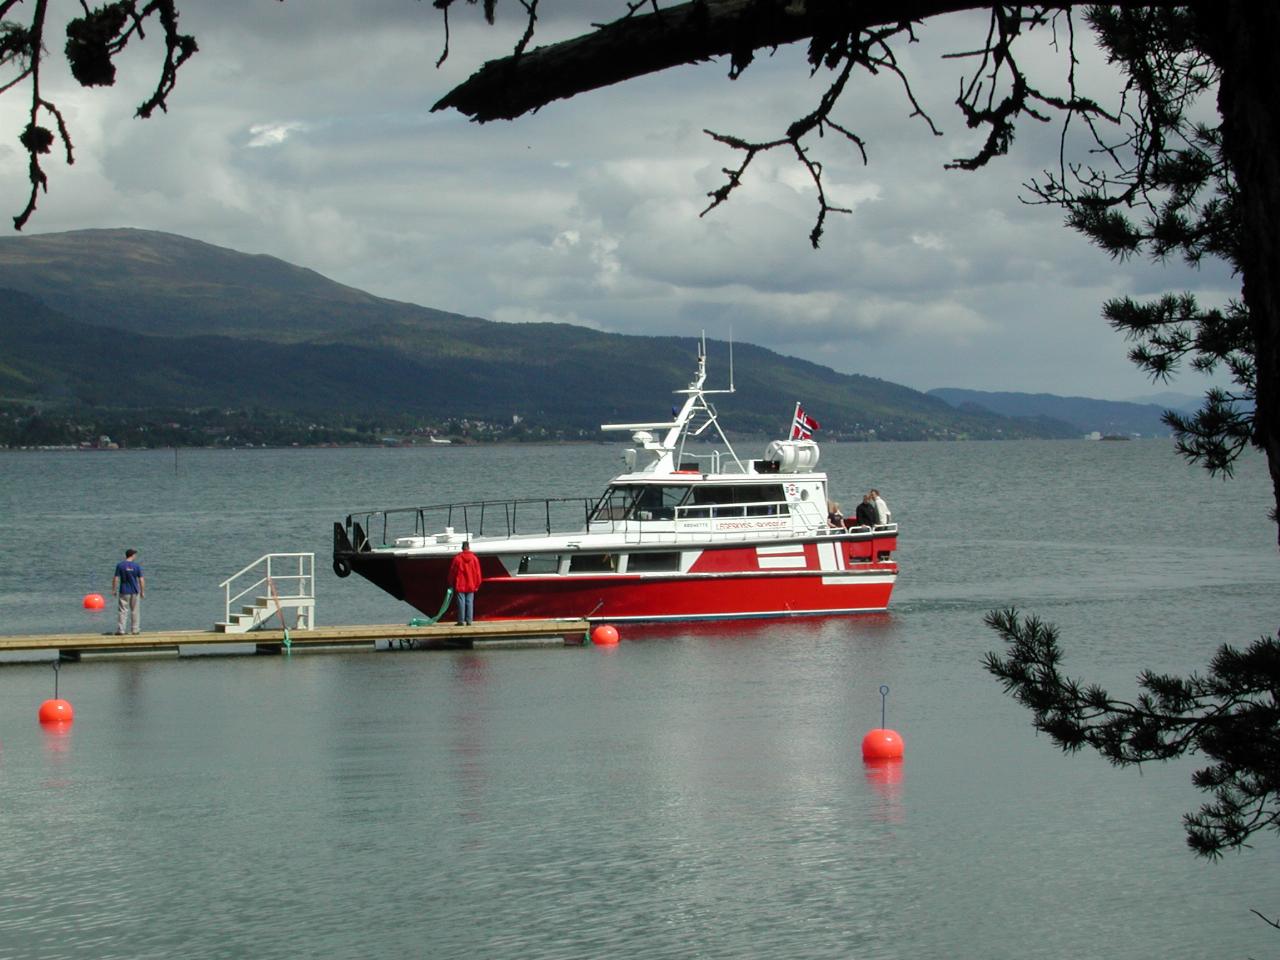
pixel 279 585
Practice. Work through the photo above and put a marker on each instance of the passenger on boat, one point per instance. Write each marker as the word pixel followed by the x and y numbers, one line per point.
pixel 882 508
pixel 866 514
pixel 464 578
pixel 834 517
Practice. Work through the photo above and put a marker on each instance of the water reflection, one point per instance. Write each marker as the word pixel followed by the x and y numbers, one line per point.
pixel 129 689
pixel 864 625
pixel 885 779
pixel 470 746
pixel 56 737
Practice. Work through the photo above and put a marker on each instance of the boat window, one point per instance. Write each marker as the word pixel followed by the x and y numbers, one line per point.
pixel 713 495
pixel 657 502
pixel 614 504
pixel 761 493
pixel 740 493
pixel 640 502
pixel 592 563
pixel 539 563
pixel 650 562
pixel 672 497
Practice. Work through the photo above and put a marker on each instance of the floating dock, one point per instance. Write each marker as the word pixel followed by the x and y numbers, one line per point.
pixel 440 636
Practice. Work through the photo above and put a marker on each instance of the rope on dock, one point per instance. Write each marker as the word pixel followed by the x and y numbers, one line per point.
pixel 275 595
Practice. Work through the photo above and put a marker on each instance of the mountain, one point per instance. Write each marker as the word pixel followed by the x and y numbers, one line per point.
pixel 135 319
pixel 1108 417
pixel 1182 402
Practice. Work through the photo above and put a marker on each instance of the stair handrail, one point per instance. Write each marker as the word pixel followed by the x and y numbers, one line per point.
pixel 306 578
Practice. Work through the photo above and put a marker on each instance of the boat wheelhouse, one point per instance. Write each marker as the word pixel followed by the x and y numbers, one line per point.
pixel 683 534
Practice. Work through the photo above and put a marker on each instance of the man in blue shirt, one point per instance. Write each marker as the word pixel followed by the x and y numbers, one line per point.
pixel 128 586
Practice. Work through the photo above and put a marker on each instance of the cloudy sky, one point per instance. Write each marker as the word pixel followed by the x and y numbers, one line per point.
pixel 304 130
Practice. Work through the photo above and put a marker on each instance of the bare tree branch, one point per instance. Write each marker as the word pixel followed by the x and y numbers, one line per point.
pixel 637 45
pixel 841 36
pixel 94 39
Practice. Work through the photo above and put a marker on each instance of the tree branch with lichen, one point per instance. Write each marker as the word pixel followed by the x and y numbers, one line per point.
pixel 94 39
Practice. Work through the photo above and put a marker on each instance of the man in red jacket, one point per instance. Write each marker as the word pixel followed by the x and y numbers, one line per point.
pixel 464 578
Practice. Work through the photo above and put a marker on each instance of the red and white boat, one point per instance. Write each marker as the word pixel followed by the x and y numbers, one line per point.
pixel 686 533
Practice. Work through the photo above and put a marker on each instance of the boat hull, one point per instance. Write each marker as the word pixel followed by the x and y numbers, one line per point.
pixel 709 593
pixel 707 597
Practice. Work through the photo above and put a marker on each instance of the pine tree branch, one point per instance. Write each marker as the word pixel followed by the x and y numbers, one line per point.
pixel 1231 717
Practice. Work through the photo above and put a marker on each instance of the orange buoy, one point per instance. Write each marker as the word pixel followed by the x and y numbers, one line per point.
pixel 605 635
pixel 56 712
pixel 94 601
pixel 882 744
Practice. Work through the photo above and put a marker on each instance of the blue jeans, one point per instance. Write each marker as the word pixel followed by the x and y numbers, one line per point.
pixel 466 607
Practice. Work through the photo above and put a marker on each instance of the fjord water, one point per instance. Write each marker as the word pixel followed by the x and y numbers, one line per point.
pixel 695 792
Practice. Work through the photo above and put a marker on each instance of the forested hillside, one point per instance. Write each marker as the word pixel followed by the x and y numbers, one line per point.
pixel 137 320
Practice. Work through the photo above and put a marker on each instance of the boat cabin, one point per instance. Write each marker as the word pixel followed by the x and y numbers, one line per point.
pixel 671 504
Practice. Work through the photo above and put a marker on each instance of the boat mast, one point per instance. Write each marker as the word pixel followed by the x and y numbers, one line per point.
pixel 667 452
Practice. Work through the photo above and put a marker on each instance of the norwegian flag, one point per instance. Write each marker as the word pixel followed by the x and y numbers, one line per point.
pixel 802 425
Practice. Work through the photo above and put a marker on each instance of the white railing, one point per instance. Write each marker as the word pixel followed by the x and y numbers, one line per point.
pixel 715 531
pixel 288 578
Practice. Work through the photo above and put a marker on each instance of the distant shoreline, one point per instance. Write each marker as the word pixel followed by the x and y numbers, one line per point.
pixel 510 443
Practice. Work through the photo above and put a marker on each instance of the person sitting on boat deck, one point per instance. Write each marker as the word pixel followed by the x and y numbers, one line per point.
pixel 834 517
pixel 866 514
pixel 882 508
pixel 464 578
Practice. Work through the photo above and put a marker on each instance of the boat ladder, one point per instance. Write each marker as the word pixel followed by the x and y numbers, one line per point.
pixel 275 585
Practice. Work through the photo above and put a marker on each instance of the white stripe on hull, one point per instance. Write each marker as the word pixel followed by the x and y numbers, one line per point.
pixel 797 562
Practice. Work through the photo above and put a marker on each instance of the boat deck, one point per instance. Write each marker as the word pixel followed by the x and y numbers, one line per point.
pixel 488 635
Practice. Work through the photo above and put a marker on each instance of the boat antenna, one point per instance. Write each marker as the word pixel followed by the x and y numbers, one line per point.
pixel 731 359
pixel 679 427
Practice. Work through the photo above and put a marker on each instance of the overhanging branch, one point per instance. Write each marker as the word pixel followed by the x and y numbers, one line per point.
pixel 637 45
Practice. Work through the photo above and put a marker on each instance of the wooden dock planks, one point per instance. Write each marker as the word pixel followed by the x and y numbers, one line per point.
pixel 505 633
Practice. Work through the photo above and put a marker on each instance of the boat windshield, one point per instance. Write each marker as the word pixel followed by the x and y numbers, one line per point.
pixel 640 502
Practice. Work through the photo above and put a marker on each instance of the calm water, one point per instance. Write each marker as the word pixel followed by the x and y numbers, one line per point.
pixel 694 792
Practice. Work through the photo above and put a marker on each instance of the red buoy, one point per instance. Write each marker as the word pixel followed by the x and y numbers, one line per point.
pixel 94 601
pixel 882 744
pixel 56 712
pixel 605 635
